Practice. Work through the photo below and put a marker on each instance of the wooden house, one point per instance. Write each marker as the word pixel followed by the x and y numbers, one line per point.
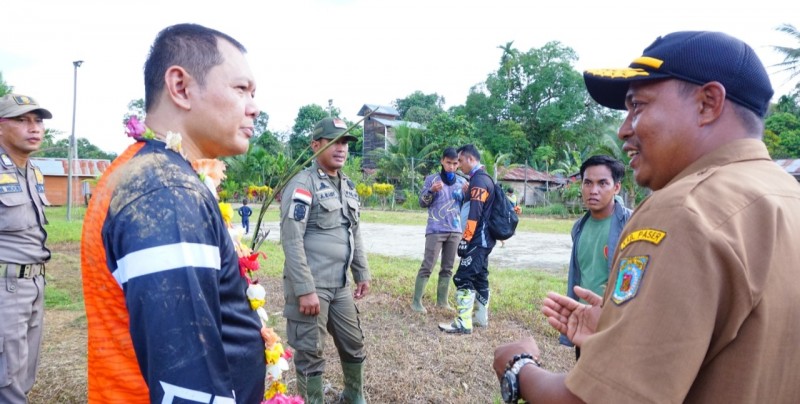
pixel 530 186
pixel 379 131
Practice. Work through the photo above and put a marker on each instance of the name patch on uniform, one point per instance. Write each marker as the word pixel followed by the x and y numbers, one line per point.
pixel 629 278
pixel 652 236
pixel 4 189
pixel 351 194
pixel 302 195
pixel 322 195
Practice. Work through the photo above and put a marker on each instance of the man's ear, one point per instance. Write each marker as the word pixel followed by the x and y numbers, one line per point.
pixel 711 98
pixel 177 82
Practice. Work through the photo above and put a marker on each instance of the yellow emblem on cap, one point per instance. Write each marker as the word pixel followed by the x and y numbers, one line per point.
pixel 648 61
pixel 618 73
pixel 652 236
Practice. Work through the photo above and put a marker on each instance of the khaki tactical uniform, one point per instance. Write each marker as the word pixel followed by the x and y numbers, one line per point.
pixel 321 238
pixel 22 257
pixel 22 233
pixel 702 302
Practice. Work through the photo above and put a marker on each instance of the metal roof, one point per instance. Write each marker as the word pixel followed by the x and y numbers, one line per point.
pixel 393 124
pixel 81 167
pixel 379 109
pixel 792 166
pixel 523 173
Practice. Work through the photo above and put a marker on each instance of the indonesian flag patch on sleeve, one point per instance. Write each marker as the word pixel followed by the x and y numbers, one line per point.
pixel 302 195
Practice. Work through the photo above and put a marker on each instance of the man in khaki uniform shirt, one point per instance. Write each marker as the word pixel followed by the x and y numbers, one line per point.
pixel 22 245
pixel 321 239
pixel 702 303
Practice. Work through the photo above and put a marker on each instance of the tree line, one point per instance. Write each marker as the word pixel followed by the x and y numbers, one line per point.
pixel 533 110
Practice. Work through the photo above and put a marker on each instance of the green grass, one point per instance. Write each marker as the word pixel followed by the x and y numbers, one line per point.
pixel 535 223
pixel 528 223
pixel 59 229
pixel 514 291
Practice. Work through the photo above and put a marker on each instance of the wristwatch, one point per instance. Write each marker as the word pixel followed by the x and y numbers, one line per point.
pixel 509 384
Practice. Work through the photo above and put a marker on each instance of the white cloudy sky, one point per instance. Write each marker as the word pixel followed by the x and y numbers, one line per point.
pixel 352 51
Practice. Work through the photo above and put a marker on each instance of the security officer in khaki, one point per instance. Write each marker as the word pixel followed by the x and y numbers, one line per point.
pixel 321 239
pixel 23 252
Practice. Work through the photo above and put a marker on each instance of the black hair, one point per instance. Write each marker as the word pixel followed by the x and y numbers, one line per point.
pixel 450 153
pixel 471 150
pixel 191 46
pixel 614 165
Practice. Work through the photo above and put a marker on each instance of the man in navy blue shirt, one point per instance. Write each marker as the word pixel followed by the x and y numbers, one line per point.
pixel 245 213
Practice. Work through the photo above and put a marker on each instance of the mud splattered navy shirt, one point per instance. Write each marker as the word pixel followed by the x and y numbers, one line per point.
pixel 194 335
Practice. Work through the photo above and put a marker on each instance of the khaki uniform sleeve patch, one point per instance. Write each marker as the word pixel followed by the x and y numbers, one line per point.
pixel 629 278
pixel 652 236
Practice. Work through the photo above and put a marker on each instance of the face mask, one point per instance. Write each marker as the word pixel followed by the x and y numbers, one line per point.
pixel 447 177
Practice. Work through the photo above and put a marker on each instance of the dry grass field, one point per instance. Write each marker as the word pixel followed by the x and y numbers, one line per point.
pixel 409 359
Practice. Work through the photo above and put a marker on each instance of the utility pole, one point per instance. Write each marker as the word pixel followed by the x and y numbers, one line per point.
pixel 412 175
pixel 330 106
pixel 72 153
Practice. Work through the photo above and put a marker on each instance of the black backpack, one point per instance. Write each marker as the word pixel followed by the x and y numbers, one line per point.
pixel 502 218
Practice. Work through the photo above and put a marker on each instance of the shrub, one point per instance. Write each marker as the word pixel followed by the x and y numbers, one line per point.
pixel 555 209
pixel 364 191
pixel 383 191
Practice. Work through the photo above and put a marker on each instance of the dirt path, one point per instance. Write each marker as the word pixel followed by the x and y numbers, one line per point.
pixel 541 251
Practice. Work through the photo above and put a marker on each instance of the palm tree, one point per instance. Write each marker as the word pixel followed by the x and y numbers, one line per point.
pixel 494 162
pixel 508 57
pixel 791 56
pixel 407 160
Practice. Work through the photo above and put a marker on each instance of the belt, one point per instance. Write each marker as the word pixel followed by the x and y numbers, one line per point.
pixel 26 271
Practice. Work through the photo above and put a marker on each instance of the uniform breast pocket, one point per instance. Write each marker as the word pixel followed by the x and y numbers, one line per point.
pixel 16 212
pixel 329 215
pixel 352 208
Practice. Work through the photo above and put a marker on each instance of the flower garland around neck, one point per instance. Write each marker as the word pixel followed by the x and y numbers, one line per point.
pixel 211 173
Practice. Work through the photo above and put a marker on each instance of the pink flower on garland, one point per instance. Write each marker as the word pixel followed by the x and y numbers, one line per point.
pixel 279 398
pixel 135 129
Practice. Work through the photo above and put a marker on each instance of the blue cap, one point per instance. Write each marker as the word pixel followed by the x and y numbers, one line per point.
pixel 698 57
